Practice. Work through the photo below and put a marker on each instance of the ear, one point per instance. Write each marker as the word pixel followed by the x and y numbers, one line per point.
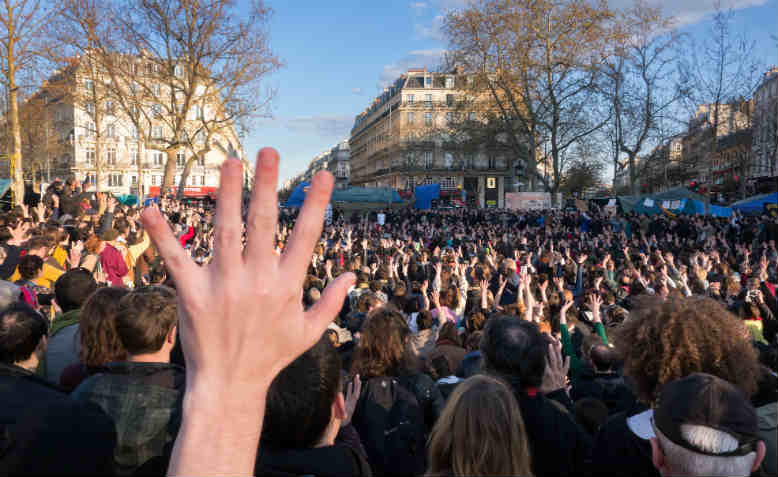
pixel 761 450
pixel 339 409
pixel 171 335
pixel 657 455
pixel 42 345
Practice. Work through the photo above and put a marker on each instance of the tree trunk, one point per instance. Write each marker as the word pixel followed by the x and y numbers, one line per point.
pixel 141 155
pixel 15 150
pixel 632 175
pixel 168 179
pixel 98 160
pixel 184 176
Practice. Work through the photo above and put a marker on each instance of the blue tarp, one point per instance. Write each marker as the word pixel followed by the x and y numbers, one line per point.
pixel 378 195
pixel 755 204
pixel 5 184
pixel 150 200
pixel 686 206
pixel 297 197
pixel 425 194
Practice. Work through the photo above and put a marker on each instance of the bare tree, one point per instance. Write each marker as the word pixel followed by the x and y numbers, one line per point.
pixel 22 22
pixel 716 74
pixel 640 84
pixel 538 62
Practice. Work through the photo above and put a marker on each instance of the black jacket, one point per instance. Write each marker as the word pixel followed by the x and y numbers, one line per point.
pixel 619 451
pixel 43 432
pixel 335 460
pixel 609 388
pixel 557 444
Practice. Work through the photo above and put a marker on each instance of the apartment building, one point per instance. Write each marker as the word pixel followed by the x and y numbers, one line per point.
pixel 764 159
pixel 129 159
pixel 400 141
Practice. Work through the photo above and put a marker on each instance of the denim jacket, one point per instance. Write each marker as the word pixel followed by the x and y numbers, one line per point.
pixel 144 400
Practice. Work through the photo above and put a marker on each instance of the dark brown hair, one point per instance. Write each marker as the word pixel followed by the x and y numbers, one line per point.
pixel 383 349
pixel 145 317
pixel 667 340
pixel 100 344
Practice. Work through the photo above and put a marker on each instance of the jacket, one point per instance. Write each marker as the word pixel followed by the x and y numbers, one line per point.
pixel 610 388
pixel 62 351
pixel 113 265
pixel 144 401
pixel 618 450
pixel 445 359
pixel 37 423
pixel 558 446
pixel 335 460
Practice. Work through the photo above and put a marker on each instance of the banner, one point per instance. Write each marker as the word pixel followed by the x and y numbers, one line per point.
pixel 527 200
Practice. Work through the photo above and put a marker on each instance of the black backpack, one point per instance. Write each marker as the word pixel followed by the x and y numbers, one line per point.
pixel 390 422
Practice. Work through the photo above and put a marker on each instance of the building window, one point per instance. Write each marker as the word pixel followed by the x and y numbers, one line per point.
pixel 201 160
pixel 428 160
pixel 180 159
pixel 134 87
pixel 90 157
pixel 429 180
pixel 410 117
pixel 449 82
pixel 428 101
pixel 428 119
pixel 157 158
pixel 178 71
pixel 448 182
pixel 153 180
pixel 134 157
pixel 156 109
pixel 200 137
pixel 110 130
pixel 109 107
pixel 492 164
pixel 134 180
pixel 110 156
pixel 90 129
pixel 449 100
pixel 491 182
pixel 449 117
pixel 90 107
pixel 409 99
pixel 89 85
pixel 133 132
pixel 471 116
pixel 428 81
pixel 115 180
pixel 156 132
pixel 202 180
pixel 156 89
pixel 199 114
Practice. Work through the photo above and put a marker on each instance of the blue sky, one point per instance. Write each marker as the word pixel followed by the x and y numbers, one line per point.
pixel 339 54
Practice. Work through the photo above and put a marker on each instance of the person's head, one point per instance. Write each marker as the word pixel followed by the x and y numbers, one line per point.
pixel 30 267
pixel 94 245
pixel 100 343
pixel 304 404
pixel 22 336
pixel 73 287
pixel 480 432
pixel 705 425
pixel 475 321
pixel 448 332
pixel 602 358
pixel 424 320
pixel 39 245
pixel 663 341
pixel 591 413
pixel 383 348
pixel 146 323
pixel 514 350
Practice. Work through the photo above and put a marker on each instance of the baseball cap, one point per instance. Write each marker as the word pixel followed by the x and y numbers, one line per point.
pixel 705 400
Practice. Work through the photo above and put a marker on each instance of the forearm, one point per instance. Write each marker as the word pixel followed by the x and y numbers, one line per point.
pixel 219 434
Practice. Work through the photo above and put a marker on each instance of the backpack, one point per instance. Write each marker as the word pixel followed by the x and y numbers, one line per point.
pixel 390 422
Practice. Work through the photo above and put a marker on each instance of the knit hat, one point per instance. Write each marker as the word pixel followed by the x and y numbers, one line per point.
pixel 705 400
pixel 109 235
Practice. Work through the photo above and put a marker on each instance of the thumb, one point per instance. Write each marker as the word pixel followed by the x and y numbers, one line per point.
pixel 324 311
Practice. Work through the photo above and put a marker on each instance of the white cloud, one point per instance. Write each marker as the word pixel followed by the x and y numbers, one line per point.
pixel 356 91
pixel 323 125
pixel 415 59
pixel 692 11
pixel 418 6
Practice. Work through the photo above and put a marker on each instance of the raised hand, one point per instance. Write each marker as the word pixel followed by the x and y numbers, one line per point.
pixel 595 302
pixel 353 391
pixel 261 325
pixel 555 375
pixel 18 233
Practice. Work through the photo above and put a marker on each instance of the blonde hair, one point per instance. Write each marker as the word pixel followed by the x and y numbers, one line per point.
pixel 480 432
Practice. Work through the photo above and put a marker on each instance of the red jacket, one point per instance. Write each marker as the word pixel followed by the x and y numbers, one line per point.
pixel 187 236
pixel 113 265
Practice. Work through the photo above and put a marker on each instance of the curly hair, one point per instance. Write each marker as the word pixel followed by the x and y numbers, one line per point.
pixel 100 343
pixel 663 341
pixel 383 349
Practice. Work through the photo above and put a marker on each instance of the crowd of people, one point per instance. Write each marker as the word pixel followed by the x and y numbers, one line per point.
pixel 243 338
